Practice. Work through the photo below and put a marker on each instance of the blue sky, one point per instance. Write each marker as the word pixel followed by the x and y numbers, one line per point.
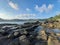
pixel 29 9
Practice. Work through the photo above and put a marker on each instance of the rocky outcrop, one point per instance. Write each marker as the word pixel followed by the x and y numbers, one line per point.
pixel 53 41
pixel 51 24
pixel 42 35
pixel 23 40
pixel 18 35
pixel 47 38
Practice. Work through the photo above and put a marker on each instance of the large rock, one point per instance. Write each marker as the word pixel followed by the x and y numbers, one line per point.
pixel 41 43
pixel 16 33
pixel 41 38
pixel 14 42
pixel 23 32
pixel 42 35
pixel 23 40
pixel 53 41
pixel 11 36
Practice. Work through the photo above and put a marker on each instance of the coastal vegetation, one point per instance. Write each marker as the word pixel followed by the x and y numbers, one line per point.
pixel 57 17
pixel 52 22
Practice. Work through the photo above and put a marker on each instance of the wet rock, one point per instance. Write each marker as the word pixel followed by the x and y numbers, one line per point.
pixel 3 32
pixel 23 40
pixel 41 43
pixel 41 38
pixel 53 41
pixel 16 33
pixel 11 36
pixel 42 35
pixel 14 42
pixel 23 32
pixel 6 27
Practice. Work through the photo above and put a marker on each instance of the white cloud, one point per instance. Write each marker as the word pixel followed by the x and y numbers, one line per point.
pixel 13 5
pixel 50 7
pixel 27 9
pixel 25 16
pixel 19 16
pixel 4 16
pixel 44 8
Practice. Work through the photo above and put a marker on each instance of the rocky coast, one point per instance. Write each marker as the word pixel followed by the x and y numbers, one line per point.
pixel 36 33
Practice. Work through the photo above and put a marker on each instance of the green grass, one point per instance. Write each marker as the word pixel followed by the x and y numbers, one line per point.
pixel 55 17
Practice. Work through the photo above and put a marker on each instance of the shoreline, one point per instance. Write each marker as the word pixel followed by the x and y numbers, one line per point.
pixel 27 34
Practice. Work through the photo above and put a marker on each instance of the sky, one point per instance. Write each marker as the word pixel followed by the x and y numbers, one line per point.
pixel 29 9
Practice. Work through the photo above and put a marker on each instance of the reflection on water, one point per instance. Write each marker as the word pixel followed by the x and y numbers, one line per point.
pixel 19 22
pixel 38 28
pixel 47 30
pixel 56 30
pixel 12 22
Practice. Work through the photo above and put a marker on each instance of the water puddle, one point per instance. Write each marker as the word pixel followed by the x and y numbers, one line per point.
pixel 39 28
pixel 56 30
